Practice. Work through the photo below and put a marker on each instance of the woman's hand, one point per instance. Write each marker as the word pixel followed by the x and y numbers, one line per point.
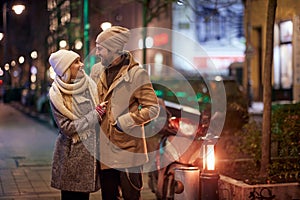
pixel 101 109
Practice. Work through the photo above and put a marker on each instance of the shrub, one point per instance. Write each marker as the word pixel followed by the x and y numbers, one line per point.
pixel 285 129
pixel 285 143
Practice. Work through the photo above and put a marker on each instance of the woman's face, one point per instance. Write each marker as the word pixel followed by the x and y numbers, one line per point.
pixel 77 69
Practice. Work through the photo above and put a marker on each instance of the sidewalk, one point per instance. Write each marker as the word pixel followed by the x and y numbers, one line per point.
pixel 21 180
pixel 32 183
pixel 27 183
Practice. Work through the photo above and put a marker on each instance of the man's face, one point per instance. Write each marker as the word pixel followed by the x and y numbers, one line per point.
pixel 104 54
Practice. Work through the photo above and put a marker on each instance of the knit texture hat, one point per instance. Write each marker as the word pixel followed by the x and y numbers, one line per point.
pixel 61 60
pixel 113 38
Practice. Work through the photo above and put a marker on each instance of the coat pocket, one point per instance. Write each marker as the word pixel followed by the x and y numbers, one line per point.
pixel 122 140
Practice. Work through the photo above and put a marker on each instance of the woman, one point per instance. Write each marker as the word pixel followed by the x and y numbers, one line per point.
pixel 73 100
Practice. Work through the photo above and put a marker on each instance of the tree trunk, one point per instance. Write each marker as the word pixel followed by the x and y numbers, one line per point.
pixel 267 89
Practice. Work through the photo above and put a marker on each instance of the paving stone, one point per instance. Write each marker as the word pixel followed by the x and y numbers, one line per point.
pixel 30 179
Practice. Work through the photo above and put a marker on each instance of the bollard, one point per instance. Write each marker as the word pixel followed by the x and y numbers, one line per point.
pixel 209 185
pixel 209 176
pixel 187 183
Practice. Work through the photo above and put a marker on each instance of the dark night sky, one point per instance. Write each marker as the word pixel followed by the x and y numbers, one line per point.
pixel 27 31
pixel 10 13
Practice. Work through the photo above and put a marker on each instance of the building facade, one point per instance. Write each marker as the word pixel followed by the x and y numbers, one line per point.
pixel 286 67
pixel 216 27
pixel 72 22
pixel 75 25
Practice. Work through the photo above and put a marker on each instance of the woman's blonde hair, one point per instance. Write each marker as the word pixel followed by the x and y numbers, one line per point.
pixel 66 77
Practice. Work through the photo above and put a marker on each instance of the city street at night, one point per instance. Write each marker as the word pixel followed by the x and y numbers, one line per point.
pixel 26 147
pixel 201 98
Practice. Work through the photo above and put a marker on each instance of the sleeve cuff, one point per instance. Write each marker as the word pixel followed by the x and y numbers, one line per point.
pixel 118 126
pixel 126 123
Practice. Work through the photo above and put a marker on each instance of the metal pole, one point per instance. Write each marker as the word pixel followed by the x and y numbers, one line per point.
pixel 5 31
pixel 7 78
pixel 86 27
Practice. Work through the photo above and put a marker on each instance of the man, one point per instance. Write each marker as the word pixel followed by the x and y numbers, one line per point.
pixel 131 103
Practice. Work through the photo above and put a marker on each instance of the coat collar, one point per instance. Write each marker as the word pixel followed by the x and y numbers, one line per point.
pixel 123 74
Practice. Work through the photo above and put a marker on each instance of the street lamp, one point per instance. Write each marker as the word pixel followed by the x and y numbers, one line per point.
pixel 63 44
pixel 209 176
pixel 18 9
pixel 105 25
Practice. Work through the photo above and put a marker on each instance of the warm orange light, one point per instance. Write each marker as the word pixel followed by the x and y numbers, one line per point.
pixel 209 157
pixel 161 39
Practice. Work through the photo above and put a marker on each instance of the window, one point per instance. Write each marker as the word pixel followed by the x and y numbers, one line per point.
pixel 283 51
pixel 219 23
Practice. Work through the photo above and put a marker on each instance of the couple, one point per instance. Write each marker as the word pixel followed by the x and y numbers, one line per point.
pixel 101 121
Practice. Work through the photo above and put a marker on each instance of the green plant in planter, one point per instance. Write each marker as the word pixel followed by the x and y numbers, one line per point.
pixel 286 135
pixel 251 141
pixel 285 143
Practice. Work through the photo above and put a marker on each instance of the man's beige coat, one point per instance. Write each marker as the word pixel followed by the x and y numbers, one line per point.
pixel 133 102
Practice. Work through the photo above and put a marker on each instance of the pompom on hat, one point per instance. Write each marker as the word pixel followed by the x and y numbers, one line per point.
pixel 61 60
pixel 113 38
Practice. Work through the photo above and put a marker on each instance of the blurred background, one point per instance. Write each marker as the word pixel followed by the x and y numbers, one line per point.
pixel 207 41
pixel 230 32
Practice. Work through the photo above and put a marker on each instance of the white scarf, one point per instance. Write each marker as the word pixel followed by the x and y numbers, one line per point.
pixel 72 90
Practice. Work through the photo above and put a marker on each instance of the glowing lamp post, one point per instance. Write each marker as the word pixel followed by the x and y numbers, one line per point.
pixel 209 176
pixel 18 9
pixel 209 158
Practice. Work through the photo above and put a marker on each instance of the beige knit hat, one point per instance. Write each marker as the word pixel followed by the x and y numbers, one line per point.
pixel 113 38
pixel 61 60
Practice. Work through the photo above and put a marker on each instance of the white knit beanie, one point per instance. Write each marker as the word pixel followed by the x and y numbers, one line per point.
pixel 61 60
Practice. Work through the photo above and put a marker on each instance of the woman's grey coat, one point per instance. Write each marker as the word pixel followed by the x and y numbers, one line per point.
pixel 75 166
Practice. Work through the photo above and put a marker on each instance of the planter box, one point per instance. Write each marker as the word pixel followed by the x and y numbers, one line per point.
pixel 231 189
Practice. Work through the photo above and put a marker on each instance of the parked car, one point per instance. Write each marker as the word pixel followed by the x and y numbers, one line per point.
pixel 236 100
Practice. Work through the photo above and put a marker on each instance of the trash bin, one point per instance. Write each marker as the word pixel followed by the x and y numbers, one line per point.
pixel 187 180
